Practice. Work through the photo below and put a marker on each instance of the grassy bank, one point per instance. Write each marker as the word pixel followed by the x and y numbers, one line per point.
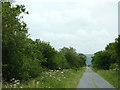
pixel 110 76
pixel 66 78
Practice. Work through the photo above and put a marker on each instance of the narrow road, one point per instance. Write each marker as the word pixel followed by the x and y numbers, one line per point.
pixel 91 79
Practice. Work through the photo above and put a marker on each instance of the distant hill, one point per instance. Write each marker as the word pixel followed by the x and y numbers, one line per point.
pixel 88 61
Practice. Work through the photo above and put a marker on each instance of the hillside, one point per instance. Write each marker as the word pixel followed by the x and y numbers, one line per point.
pixel 88 61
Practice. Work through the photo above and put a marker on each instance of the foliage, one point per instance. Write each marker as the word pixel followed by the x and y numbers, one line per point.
pixel 102 60
pixel 14 34
pixel 24 58
pixel 108 58
pixel 82 59
pixel 74 60
pixel 66 78
pixel 114 66
pixel 19 60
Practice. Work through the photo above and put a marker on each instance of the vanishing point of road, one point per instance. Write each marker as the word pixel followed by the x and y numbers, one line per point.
pixel 91 79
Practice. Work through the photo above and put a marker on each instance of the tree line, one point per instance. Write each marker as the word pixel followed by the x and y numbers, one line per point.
pixel 24 58
pixel 108 58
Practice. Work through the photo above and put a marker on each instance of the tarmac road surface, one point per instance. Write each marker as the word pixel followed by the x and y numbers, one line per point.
pixel 91 79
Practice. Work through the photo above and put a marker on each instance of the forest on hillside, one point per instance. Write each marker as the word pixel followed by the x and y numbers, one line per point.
pixel 89 59
pixel 24 58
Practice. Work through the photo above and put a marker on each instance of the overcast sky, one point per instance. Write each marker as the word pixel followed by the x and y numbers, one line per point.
pixel 86 25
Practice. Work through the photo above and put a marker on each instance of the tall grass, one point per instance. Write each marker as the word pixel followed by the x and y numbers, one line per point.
pixel 109 75
pixel 67 78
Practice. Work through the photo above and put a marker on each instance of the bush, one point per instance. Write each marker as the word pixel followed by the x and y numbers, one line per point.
pixel 101 60
pixel 74 60
pixel 114 66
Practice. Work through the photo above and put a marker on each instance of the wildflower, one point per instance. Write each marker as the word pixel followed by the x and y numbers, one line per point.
pixel 12 79
pixel 51 70
pixel 10 85
pixel 59 68
pixel 14 85
pixel 37 82
pixel 15 81
pixel 18 82
pixel 61 72
pixel 5 86
pixel 59 80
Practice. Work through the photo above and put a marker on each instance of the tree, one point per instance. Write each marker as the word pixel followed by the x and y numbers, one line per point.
pixel 117 47
pixel 109 58
pixel 74 60
pixel 24 58
pixel 101 60
pixel 14 36
pixel 110 46
pixel 82 59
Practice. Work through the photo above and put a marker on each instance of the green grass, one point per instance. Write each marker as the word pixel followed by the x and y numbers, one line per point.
pixel 67 78
pixel 110 76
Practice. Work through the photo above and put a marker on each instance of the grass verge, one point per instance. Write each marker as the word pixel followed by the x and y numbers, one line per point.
pixel 67 78
pixel 110 76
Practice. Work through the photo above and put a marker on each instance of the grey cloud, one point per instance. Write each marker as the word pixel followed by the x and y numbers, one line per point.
pixel 85 25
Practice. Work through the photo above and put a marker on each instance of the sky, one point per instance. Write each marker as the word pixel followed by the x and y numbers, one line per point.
pixel 86 25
